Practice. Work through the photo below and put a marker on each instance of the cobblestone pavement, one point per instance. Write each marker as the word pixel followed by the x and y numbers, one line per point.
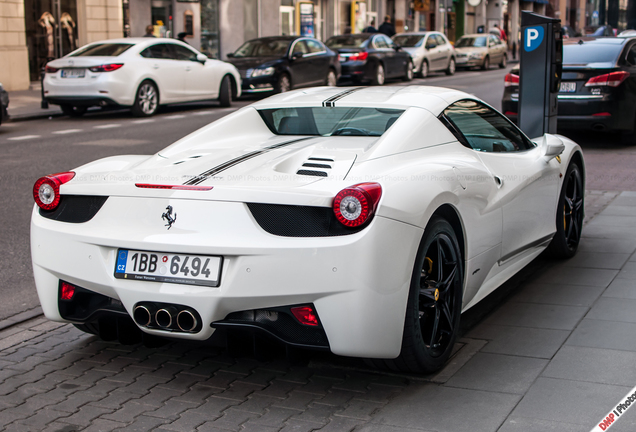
pixel 532 360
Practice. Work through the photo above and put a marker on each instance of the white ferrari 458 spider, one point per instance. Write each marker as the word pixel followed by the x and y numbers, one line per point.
pixel 363 221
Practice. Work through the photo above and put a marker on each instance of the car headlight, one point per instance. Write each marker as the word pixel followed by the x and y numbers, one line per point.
pixel 263 72
pixel 476 55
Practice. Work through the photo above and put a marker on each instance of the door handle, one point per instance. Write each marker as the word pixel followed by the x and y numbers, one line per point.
pixel 188 69
pixel 499 181
pixel 155 66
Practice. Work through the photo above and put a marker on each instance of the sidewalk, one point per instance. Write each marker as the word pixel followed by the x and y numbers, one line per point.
pixel 26 105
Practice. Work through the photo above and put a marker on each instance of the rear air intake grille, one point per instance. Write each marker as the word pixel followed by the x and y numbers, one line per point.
pixel 311 173
pixel 314 162
pixel 75 208
pixel 298 221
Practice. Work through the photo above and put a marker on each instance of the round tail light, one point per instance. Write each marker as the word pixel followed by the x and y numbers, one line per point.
pixel 355 205
pixel 46 190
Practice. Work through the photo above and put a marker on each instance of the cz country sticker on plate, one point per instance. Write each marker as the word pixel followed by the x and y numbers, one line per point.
pixel 168 267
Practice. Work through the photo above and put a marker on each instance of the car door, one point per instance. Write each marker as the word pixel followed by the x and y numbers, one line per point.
pixel 319 61
pixel 527 182
pixel 169 74
pixel 301 67
pixel 399 58
pixel 445 50
pixel 201 81
pixel 433 53
pixel 495 48
pixel 384 54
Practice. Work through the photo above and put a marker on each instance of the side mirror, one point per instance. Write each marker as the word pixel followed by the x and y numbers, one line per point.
pixel 553 147
pixel 202 58
pixel 230 55
pixel 297 55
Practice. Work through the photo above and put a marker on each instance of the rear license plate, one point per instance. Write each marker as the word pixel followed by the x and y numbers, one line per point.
pixel 168 267
pixel 73 73
pixel 567 87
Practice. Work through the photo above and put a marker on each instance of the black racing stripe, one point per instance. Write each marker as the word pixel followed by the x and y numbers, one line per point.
pixel 229 164
pixel 330 102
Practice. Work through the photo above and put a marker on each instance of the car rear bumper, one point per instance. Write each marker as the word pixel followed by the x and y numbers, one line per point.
pixel 358 283
pixel 110 86
pixel 81 101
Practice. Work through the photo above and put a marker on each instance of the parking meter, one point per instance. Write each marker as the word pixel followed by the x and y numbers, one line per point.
pixel 540 68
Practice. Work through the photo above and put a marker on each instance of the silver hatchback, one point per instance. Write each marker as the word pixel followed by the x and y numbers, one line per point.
pixel 430 51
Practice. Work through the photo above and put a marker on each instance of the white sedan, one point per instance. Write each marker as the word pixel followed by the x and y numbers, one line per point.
pixel 359 220
pixel 139 73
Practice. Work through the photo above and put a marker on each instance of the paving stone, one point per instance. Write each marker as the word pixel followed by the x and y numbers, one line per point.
pixel 618 210
pixel 170 370
pixel 128 412
pixel 85 415
pixel 205 368
pixel 379 393
pixel 221 379
pixel 296 400
pixel 621 288
pixel 356 382
pixel 337 397
pixel 256 404
pixel 274 417
pixel 115 400
pixel 370 427
pixel 608 232
pixel 613 309
pixel 239 391
pixel 171 409
pixel 449 409
pixel 208 427
pixel 65 427
pixel 297 374
pixel 604 334
pixel 360 410
pixel 189 420
pixel 596 260
pixel 118 364
pixel 582 364
pixel 101 425
pixel 76 400
pixel 498 373
pixel 567 401
pixel 318 385
pixel 623 221
pixel 571 295
pixel 90 377
pixel 198 394
pixel 341 424
pixel 317 413
pixel 529 342
pixel 214 406
pixel 157 396
pixel 43 417
pixel 29 363
pixel 259 377
pixel 577 276
pixel 300 426
pixel 252 427
pixel 525 424
pixel 232 419
pixel 143 424
pixel 556 317
pixel 278 389
pixel 126 376
pixel 11 415
pixel 143 384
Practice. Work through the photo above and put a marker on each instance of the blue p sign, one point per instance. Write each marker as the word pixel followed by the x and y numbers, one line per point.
pixel 533 38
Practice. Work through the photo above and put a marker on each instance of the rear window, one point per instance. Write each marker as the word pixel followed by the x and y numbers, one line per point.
pixel 591 53
pixel 103 50
pixel 346 41
pixel 338 121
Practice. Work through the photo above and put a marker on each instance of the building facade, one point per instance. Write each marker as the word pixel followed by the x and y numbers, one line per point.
pixel 33 32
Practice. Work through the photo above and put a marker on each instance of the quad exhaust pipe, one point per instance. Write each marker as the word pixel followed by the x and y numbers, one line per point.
pixel 170 317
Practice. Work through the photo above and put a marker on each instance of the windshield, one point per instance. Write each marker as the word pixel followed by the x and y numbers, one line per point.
pixel 408 41
pixel 263 48
pixel 347 41
pixel 591 53
pixel 102 50
pixel 344 121
pixel 479 41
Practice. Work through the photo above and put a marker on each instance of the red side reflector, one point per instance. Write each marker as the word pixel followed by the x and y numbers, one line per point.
pixel 509 113
pixel 305 315
pixel 603 114
pixel 67 292
pixel 173 187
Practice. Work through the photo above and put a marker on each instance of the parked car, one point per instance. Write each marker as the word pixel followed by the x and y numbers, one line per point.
pixel 137 73
pixel 480 50
pixel 371 57
pixel 598 87
pixel 568 32
pixel 430 51
pixel 281 63
pixel 604 30
pixel 4 104
pixel 361 220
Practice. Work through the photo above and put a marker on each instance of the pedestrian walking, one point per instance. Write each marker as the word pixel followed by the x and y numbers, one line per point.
pixel 182 37
pixel 502 33
pixel 150 29
pixel 386 27
pixel 371 28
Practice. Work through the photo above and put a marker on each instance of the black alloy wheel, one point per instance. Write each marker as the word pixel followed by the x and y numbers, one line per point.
pixel 434 303
pixel 570 214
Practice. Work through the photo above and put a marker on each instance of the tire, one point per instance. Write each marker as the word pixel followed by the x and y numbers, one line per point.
pixel 73 111
pixel 452 67
pixel 424 69
pixel 504 62
pixel 378 76
pixel 408 73
pixel 147 100
pixel 332 79
pixel 569 215
pixel 225 92
pixel 283 84
pixel 486 64
pixel 433 309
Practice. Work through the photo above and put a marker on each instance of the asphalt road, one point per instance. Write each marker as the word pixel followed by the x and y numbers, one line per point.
pixel 30 149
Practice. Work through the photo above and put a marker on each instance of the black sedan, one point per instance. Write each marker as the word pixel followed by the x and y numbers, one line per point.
pixel 598 87
pixel 4 104
pixel 279 64
pixel 371 57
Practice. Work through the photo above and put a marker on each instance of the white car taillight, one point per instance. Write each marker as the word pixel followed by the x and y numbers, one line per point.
pixel 46 190
pixel 355 205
